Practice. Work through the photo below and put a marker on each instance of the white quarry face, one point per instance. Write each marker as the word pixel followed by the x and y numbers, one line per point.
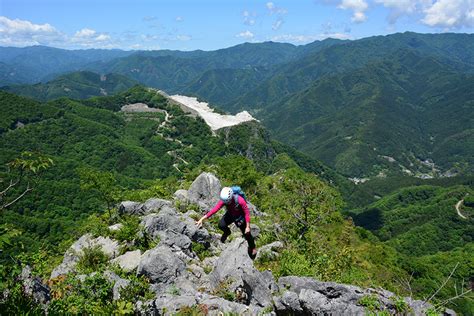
pixel 214 120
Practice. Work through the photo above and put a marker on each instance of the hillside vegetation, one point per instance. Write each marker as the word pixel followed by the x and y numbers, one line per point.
pixel 76 85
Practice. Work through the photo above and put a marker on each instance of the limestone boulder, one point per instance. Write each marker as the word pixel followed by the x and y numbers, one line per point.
pixel 205 190
pixel 161 265
pixel 128 261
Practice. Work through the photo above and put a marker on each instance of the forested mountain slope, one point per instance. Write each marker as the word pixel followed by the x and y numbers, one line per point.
pixel 388 116
pixel 76 85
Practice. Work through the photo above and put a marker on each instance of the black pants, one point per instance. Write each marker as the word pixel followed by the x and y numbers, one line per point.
pixel 228 219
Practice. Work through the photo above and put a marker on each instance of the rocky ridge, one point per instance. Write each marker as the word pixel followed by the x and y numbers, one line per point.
pixel 226 281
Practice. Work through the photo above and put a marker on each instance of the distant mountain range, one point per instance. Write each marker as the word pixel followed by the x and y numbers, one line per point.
pixel 384 105
pixel 76 85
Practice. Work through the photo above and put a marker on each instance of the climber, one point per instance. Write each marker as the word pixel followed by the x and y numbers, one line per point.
pixel 237 213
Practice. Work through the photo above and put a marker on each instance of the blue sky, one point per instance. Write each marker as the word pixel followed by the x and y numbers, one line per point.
pixel 209 25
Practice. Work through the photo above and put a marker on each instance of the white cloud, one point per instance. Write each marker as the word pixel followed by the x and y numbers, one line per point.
pixel 90 38
pixel 179 19
pixel 408 6
pixel 450 14
pixel 85 33
pixel 183 37
pixel 274 9
pixel 358 7
pixel 23 33
pixel 278 23
pixel 249 17
pixel 246 35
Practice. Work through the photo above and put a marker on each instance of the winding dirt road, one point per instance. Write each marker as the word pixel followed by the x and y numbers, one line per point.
pixel 458 205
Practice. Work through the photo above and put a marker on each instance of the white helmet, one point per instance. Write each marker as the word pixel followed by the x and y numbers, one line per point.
pixel 226 194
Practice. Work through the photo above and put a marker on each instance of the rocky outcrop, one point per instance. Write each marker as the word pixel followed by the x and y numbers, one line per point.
pixel 128 261
pixel 205 190
pixel 72 256
pixel 160 265
pixel 226 281
pixel 235 270
pixel 307 296
pixel 33 287
pixel 150 206
pixel 118 282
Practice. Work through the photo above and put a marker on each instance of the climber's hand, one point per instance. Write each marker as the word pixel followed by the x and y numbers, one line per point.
pixel 199 223
pixel 247 230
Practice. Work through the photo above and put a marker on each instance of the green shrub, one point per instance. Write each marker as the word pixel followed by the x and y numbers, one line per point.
pixel 201 250
pixel 370 302
pixel 222 290
pixel 129 230
pixel 92 259
pixel 294 263
pixel 401 306
pixel 93 296
pixel 137 289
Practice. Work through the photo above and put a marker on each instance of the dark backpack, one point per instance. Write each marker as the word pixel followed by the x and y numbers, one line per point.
pixel 237 191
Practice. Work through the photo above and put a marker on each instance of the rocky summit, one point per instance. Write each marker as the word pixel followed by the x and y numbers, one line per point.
pixel 223 281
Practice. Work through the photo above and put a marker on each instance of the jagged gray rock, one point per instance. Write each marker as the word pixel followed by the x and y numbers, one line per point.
pixel 170 222
pixel 181 195
pixel 269 251
pixel 307 296
pixel 118 282
pixel 176 241
pixel 150 206
pixel 168 304
pixel 71 257
pixel 128 261
pixel 204 191
pixel 32 286
pixel 128 207
pixel 234 269
pixel 160 265
pixel 215 305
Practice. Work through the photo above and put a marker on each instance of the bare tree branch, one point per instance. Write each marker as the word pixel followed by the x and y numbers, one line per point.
pixel 11 185
pixel 463 293
pixel 28 189
pixel 444 283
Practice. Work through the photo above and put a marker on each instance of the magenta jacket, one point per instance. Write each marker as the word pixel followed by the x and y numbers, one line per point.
pixel 233 208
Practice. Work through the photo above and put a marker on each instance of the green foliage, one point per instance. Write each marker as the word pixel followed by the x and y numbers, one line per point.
pixel 14 302
pixel 92 259
pixel 294 263
pixel 238 170
pixel 222 290
pixel 469 201
pixel 104 183
pixel 195 310
pixel 201 251
pixel 299 201
pixel 129 230
pixel 124 308
pixel 370 302
pixel 418 220
pixel 76 85
pixel 137 289
pixel 401 306
pixel 72 296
